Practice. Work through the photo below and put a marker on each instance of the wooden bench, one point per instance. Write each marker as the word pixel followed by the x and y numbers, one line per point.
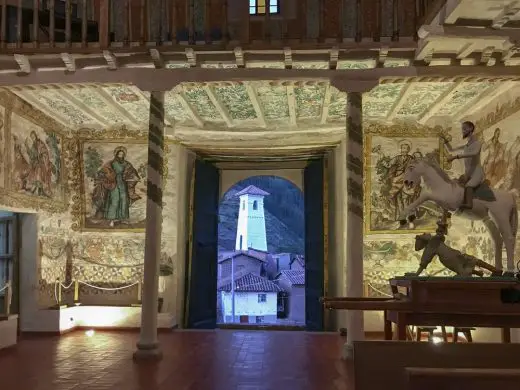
pixel 382 364
pixel 462 378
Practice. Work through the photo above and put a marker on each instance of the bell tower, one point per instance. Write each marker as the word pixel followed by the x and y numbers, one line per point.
pixel 251 219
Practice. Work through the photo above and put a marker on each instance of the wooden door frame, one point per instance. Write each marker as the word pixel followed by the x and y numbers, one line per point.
pixel 189 255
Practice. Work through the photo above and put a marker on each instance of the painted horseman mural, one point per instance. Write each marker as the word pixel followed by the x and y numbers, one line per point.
pixel 470 196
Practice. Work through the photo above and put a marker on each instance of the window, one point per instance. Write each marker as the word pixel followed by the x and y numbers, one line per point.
pixel 243 205
pixel 241 239
pixel 259 319
pixel 257 7
pixel 262 298
pixel 255 205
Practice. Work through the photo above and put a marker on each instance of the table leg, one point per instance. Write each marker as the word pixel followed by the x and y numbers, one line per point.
pixel 401 327
pixel 506 335
pixel 388 327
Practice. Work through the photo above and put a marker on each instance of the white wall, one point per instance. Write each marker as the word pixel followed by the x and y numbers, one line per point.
pixel 247 304
pixel 8 331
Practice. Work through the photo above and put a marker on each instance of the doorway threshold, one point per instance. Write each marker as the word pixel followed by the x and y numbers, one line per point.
pixel 262 327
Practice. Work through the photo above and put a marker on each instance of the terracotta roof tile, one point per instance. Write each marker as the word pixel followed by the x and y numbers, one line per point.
pixel 252 190
pixel 251 283
pixel 295 277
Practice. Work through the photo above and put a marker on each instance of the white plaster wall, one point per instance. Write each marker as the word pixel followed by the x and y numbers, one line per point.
pixel 8 331
pixel 105 317
pixel 228 177
pixel 247 304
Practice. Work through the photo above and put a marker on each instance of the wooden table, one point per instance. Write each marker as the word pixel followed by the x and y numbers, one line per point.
pixel 458 302
pixel 437 301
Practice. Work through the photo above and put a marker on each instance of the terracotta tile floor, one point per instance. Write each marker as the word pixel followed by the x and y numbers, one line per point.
pixel 216 360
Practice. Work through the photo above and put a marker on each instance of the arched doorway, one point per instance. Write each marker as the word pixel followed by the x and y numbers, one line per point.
pixel 203 253
pixel 261 253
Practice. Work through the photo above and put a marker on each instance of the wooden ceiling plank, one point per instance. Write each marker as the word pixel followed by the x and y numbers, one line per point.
pixel 507 13
pixel 253 97
pixel 325 105
pixel 219 106
pixel 291 102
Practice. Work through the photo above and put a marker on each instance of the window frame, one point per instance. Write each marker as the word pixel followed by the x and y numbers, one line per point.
pixel 262 297
pixel 256 6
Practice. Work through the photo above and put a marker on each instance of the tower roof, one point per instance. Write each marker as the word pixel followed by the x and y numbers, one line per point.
pixel 252 190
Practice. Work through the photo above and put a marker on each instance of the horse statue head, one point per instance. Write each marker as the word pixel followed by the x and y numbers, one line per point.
pixel 425 170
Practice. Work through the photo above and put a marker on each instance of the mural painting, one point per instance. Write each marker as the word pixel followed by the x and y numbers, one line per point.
pixel 114 185
pixel 3 147
pixel 387 155
pixel 36 161
pixel 501 159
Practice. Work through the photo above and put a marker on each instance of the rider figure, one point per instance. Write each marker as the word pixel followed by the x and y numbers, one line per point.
pixel 473 172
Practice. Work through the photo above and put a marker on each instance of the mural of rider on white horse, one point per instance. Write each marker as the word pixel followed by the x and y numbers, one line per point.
pixel 470 196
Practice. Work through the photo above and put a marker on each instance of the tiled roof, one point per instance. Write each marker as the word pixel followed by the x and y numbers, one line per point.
pixel 252 255
pixel 300 259
pixel 295 277
pixel 252 190
pixel 251 283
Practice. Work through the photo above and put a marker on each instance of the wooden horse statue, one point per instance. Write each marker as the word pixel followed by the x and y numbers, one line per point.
pixel 497 209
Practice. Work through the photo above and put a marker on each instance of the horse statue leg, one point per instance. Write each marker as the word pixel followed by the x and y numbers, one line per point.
pixel 408 213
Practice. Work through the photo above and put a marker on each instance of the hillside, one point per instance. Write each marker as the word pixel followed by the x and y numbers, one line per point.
pixel 284 215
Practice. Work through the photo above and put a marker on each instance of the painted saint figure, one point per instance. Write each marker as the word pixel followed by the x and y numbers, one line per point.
pixel 33 167
pixel 398 193
pixel 494 163
pixel 473 172
pixel 114 189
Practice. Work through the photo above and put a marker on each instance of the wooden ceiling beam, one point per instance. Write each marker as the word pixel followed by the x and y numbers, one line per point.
pixel 326 104
pixel 219 106
pixel 253 97
pixel 291 102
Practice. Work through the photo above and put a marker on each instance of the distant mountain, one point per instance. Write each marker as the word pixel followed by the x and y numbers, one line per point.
pixel 284 215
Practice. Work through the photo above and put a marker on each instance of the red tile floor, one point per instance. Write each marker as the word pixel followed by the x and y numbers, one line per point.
pixel 193 360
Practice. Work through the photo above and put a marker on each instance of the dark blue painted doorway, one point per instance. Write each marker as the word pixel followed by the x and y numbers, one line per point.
pixel 202 277
pixel 314 244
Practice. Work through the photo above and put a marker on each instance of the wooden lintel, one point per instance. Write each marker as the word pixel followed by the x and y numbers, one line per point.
pixel 165 79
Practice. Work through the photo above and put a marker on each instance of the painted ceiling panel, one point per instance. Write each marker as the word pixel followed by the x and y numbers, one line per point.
pixel 92 99
pixel 379 101
pixel 462 96
pixel 309 101
pixel 236 100
pixel 200 101
pixel 274 101
pixel 422 97
pixel 131 99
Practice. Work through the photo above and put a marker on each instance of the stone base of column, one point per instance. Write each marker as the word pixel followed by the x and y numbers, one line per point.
pixel 347 352
pixel 147 352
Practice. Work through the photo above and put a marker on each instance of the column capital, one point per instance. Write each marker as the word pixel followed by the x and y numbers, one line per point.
pixel 350 85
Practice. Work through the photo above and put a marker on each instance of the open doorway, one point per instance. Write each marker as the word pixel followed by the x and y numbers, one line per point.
pixel 203 249
pixel 261 253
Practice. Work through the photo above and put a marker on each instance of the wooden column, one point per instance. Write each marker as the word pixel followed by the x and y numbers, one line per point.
pixel 104 23
pixel 148 345
pixel 355 324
